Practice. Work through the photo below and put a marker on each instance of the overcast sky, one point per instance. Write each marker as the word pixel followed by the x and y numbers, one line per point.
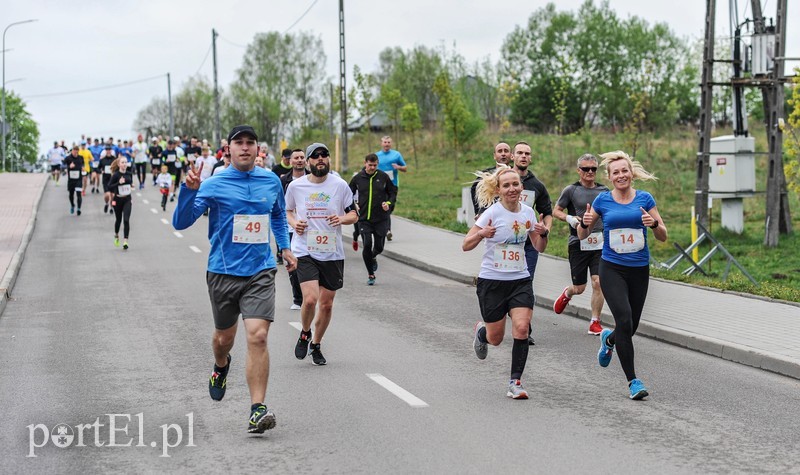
pixel 86 44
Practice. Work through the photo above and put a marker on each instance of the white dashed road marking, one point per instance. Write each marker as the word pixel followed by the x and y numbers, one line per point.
pixel 153 210
pixel 164 221
pixel 145 202
pixel 297 325
pixel 406 396
pixel 195 249
pixel 177 234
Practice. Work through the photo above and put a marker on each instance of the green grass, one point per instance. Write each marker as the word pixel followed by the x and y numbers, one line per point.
pixel 430 194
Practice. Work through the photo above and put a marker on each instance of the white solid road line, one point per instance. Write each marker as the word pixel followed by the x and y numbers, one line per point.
pixel 406 396
pixel 297 325
pixel 145 202
pixel 153 210
pixel 177 234
pixel 195 249
pixel 164 221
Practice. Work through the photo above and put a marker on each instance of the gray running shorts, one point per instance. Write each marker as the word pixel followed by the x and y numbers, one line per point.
pixel 231 295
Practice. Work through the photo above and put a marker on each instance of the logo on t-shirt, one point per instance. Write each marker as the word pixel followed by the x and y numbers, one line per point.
pixel 519 232
pixel 317 205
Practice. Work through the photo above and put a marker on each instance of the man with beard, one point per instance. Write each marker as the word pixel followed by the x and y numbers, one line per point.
pixel 502 156
pixel 317 205
pixel 535 195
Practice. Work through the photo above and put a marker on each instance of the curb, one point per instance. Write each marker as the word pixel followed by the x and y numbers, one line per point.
pixel 10 277
pixel 721 349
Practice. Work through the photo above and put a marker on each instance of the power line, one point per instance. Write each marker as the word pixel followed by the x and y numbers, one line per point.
pixel 230 42
pixel 301 16
pixel 100 88
pixel 204 60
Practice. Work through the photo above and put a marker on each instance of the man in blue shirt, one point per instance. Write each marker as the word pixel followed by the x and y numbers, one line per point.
pixel 390 162
pixel 244 203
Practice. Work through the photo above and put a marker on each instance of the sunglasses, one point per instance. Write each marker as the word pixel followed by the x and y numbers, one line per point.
pixel 321 153
pixel 588 169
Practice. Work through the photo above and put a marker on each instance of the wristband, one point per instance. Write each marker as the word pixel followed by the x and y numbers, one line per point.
pixel 655 225
pixel 546 233
pixel 584 226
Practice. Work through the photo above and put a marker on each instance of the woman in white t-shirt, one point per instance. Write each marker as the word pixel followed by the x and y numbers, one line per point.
pixel 504 285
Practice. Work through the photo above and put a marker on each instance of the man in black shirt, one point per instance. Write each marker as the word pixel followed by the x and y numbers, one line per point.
pixel 74 166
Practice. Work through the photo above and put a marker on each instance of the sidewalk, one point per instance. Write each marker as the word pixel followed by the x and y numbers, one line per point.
pixel 750 330
pixel 19 200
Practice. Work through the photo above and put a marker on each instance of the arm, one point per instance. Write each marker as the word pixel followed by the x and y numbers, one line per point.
pixel 649 218
pixel 587 222
pixel 391 195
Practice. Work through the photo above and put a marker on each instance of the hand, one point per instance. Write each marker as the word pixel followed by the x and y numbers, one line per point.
pixel 193 177
pixel 289 259
pixel 647 220
pixel 333 220
pixel 488 231
pixel 72 165
pixel 573 221
pixel 588 217
pixel 395 166
pixel 539 228
pixel 385 206
pixel 122 181
pixel 300 227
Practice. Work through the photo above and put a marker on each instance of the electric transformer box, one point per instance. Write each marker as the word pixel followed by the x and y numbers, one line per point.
pixel 732 165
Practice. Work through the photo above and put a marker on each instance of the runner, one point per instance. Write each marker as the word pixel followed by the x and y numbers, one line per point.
pixel 139 150
pixel 96 150
pixel 625 262
pixel 298 162
pixel 207 160
pixel 583 255
pixel 245 203
pixel 87 166
pixel 180 160
pixel 56 155
pixel 390 162
pixel 120 186
pixel 104 167
pixel 154 153
pixel 505 285
pixel 534 194
pixel 170 157
pixel 317 205
pixel 164 183
pixel 74 167
pixel 284 166
pixel 502 156
pixel 376 194
pixel 193 151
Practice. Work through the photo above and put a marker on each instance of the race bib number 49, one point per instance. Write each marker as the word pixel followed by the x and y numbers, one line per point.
pixel 321 241
pixel 250 228
pixel 509 257
pixel 593 242
pixel 626 240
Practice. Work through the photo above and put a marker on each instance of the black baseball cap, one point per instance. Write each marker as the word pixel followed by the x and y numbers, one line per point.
pixel 241 129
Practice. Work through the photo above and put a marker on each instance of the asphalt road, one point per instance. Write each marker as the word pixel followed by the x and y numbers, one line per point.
pixel 94 330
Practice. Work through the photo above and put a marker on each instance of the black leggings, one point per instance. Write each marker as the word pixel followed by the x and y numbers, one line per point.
pixel 73 191
pixel 625 290
pixel 297 292
pixel 372 248
pixel 141 172
pixel 122 212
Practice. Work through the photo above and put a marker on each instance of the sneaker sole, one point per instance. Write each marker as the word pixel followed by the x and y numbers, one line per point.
pixel 640 395
pixel 481 354
pixel 266 423
pixel 522 395
pixel 318 364
pixel 594 333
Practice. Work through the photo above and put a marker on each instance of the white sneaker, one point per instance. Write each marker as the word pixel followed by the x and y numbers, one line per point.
pixel 294 307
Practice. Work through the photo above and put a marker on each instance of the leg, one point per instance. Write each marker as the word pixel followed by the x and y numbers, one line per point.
pixel 126 218
pixel 311 293
pixel 366 253
pixel 117 218
pixel 257 367
pixel 597 297
pixel 222 343
pixel 80 199
pixel 520 322
pixel 379 242
pixel 71 197
pixel 324 313
pixel 615 288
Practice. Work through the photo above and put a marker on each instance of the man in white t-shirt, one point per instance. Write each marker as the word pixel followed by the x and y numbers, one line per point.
pixel 56 155
pixel 317 205
pixel 139 151
pixel 207 161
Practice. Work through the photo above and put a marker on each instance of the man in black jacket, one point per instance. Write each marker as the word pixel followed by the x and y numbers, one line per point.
pixel 376 197
pixel 74 166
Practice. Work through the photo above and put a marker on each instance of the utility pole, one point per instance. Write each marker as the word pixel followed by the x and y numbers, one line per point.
pixel 778 217
pixel 171 118
pixel 706 97
pixel 217 130
pixel 333 138
pixel 342 86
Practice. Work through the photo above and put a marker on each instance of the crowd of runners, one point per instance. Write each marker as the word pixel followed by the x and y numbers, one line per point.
pixel 297 205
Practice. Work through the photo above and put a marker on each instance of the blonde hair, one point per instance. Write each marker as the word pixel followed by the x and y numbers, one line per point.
pixel 115 164
pixel 489 183
pixel 639 173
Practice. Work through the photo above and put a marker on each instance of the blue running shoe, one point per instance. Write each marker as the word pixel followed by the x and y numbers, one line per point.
pixel 638 391
pixel 218 381
pixel 606 351
pixel 261 419
pixel 71 210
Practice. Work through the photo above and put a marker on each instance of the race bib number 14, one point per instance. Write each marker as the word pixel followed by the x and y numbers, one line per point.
pixel 251 228
pixel 626 240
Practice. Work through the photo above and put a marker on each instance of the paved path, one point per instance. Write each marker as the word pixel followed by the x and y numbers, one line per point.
pixel 19 199
pixel 754 331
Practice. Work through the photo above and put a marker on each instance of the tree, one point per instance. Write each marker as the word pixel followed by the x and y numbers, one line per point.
pixel 413 73
pixel 22 140
pixel 153 119
pixel 193 109
pixel 791 143
pixel 409 118
pixel 364 97
pixel 392 103
pixel 460 124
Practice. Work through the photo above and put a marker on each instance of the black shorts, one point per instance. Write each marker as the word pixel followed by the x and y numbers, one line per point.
pixel 580 261
pixel 177 175
pixel 231 295
pixel 106 183
pixel 55 168
pixel 75 185
pixel 380 228
pixel 330 274
pixel 497 297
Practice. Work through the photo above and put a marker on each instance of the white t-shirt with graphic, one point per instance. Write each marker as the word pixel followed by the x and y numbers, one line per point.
pixel 504 254
pixel 314 202
pixel 140 152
